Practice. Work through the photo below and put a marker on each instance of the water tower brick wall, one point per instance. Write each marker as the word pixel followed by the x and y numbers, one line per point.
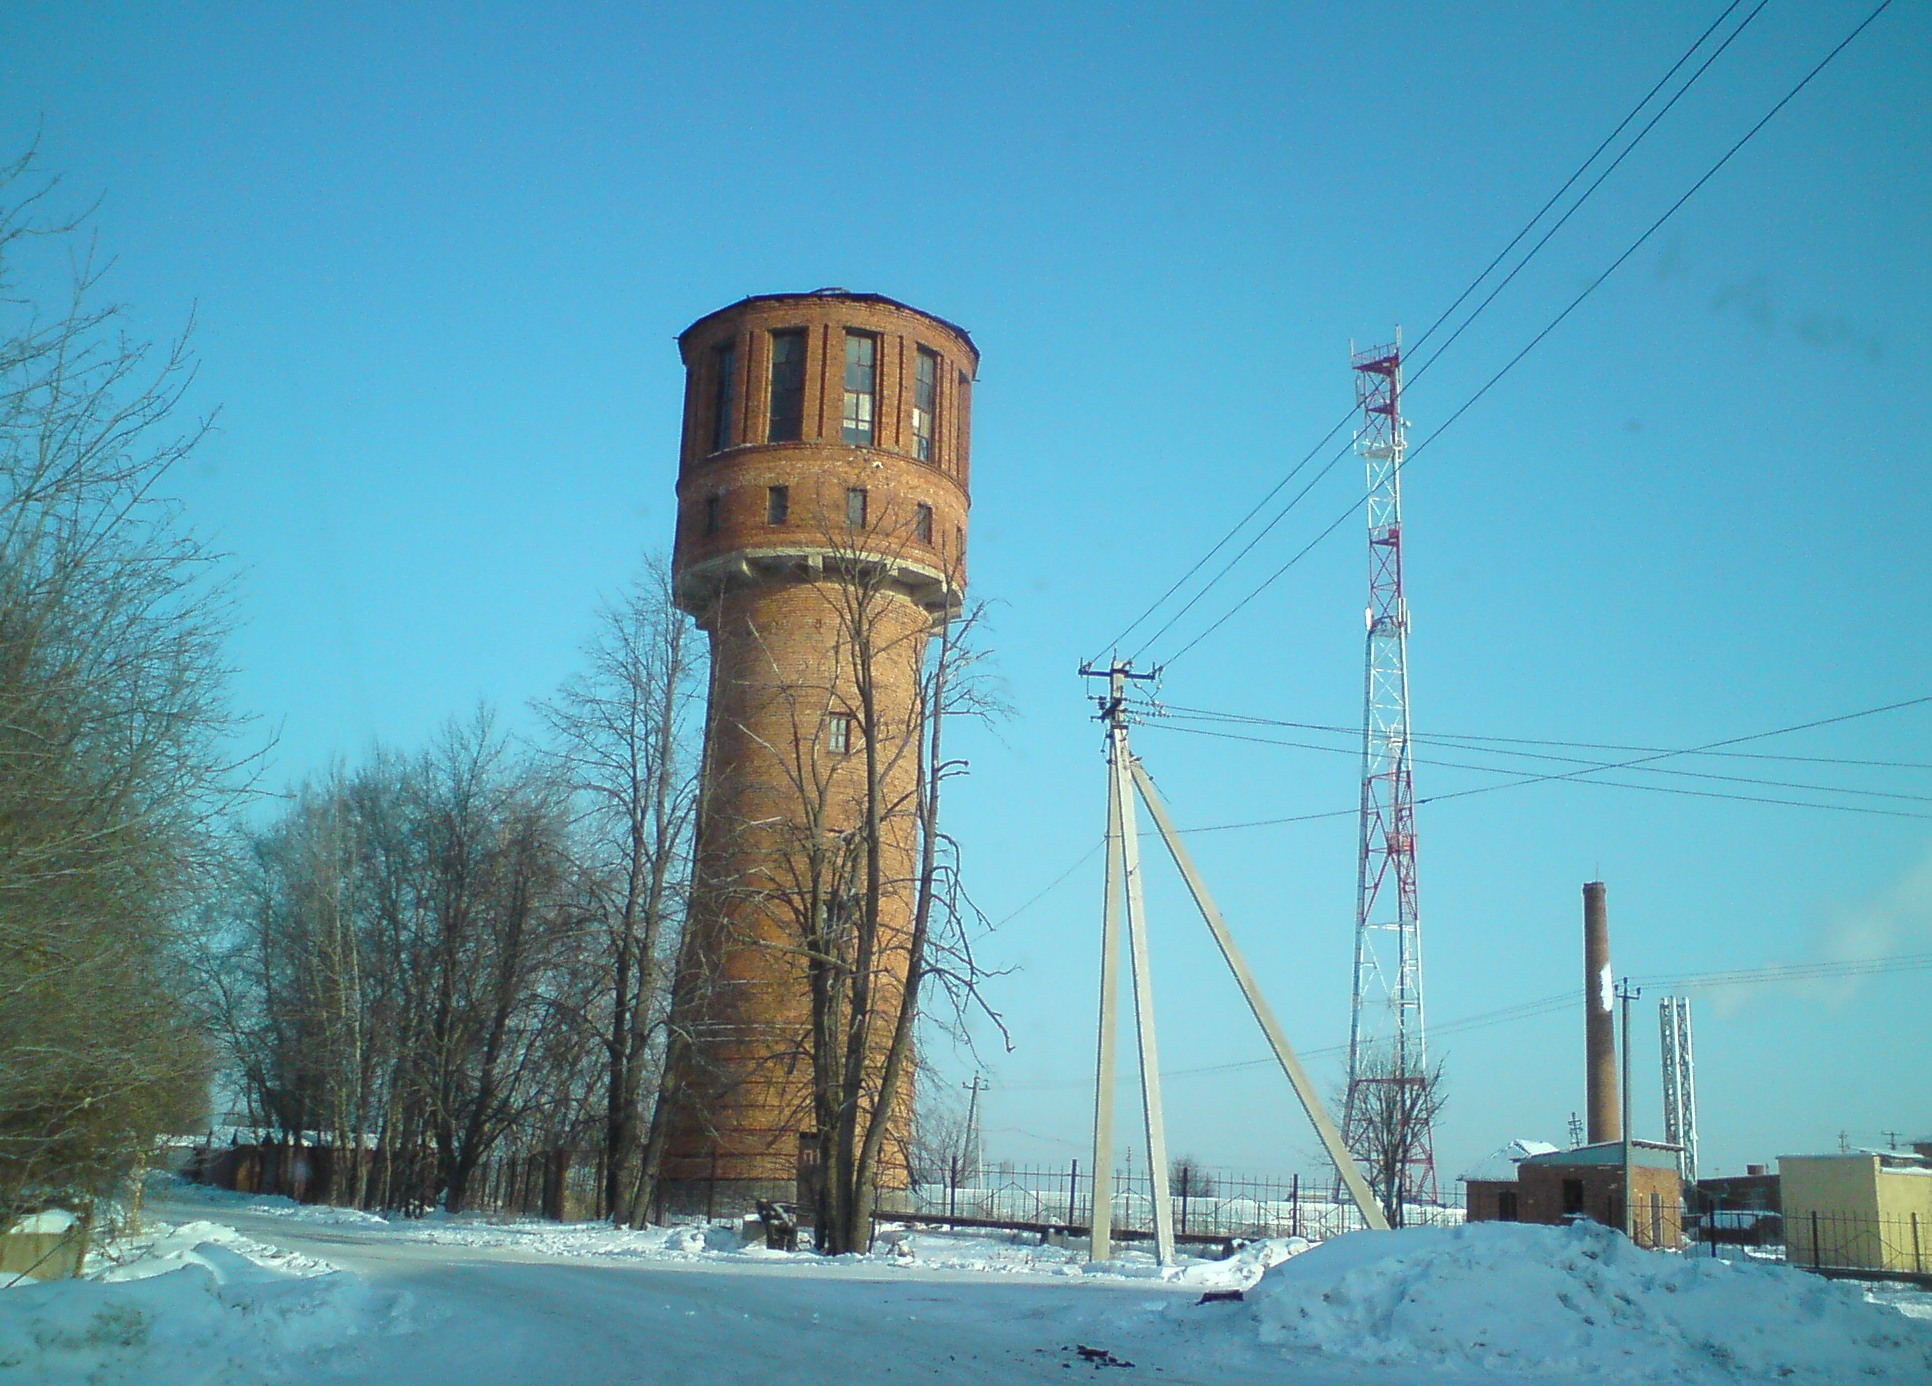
pixel 774 593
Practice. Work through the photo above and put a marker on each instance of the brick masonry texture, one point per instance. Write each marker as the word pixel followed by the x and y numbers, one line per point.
pixel 781 620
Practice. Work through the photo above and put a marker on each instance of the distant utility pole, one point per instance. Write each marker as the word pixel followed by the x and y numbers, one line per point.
pixel 1385 1036
pixel 972 1151
pixel 1576 1130
pixel 1626 993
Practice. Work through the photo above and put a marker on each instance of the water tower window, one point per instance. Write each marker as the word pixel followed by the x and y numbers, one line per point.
pixel 861 387
pixel 925 400
pixel 922 523
pixel 778 504
pixel 959 421
pixel 711 507
pixel 787 386
pixel 725 399
pixel 855 507
pixel 838 733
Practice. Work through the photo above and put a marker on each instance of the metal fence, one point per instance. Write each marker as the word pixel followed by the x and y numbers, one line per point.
pixel 1208 1204
pixel 1839 1242
pixel 560 1185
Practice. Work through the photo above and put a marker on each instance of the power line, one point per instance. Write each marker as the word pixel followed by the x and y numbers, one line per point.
pixel 1246 548
pixel 1662 111
pixel 1548 1005
pixel 1222 542
pixel 1172 710
pixel 1589 765
pixel 1651 230
pixel 1053 885
pixel 1640 762
pixel 1591 769
pixel 1553 324
pixel 1446 314
pixel 1570 182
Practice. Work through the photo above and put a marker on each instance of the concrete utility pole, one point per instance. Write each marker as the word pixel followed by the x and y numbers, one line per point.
pixel 1627 993
pixel 1124 896
pixel 1124 886
pixel 972 1124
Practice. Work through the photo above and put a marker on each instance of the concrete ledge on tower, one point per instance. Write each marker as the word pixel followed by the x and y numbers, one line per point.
pixel 701 584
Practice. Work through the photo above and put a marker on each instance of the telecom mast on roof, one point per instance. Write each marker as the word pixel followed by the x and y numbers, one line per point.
pixel 1387 1052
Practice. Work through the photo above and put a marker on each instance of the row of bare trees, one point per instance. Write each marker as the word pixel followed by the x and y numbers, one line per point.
pixel 439 956
pixel 422 958
pixel 114 723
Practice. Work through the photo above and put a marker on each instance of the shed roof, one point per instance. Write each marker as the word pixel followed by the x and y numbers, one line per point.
pixel 1650 1154
pixel 1499 1166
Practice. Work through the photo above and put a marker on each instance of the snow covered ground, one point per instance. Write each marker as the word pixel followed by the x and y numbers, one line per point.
pixel 232 1289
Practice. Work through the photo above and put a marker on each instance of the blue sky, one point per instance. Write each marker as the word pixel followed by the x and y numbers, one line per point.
pixel 437 256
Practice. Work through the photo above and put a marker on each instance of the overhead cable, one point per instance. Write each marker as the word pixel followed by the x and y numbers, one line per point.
pixel 1552 325
pixel 1446 314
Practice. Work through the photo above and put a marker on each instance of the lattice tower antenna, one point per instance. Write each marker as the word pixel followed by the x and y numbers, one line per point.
pixel 1680 1084
pixel 1387 1050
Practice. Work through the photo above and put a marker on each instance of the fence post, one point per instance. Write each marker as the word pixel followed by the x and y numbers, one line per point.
pixel 1816 1260
pixel 1186 1171
pixel 711 1188
pixel 1294 1206
pixel 952 1189
pixel 1073 1194
pixel 1918 1255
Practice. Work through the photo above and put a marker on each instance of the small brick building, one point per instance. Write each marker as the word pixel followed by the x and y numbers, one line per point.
pixel 1559 1186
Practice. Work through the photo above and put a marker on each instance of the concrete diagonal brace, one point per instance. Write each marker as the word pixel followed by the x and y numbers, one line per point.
pixel 1150 1058
pixel 1263 1013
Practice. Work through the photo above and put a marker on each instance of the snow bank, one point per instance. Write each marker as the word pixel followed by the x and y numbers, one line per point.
pixel 1244 1269
pixel 191 1304
pixel 1565 1302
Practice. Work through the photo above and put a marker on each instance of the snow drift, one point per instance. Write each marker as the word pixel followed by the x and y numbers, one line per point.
pixel 198 1303
pixel 1565 1302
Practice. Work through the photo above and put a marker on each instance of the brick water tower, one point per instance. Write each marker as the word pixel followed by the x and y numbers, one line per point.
pixel 822 499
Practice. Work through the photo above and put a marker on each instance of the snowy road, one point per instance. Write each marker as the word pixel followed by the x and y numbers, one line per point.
pixel 499 1314
pixel 225 1290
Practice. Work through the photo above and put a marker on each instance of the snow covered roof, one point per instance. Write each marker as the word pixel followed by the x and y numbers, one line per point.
pixel 1499 1166
pixel 1650 1154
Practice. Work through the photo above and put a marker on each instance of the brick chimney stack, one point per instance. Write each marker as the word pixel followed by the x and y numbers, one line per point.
pixel 1605 1121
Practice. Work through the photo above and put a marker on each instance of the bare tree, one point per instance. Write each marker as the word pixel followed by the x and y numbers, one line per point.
pixel 860 887
pixel 114 725
pixel 403 958
pixel 621 734
pixel 1396 1106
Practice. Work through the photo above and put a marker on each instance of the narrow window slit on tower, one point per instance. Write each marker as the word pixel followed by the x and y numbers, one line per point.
pixel 855 507
pixel 778 504
pixel 861 387
pixel 925 403
pixel 711 507
pixel 787 386
pixel 922 523
pixel 725 399
pixel 960 406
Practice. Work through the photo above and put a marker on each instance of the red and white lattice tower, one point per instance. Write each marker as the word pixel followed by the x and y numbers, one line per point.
pixel 1385 1042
